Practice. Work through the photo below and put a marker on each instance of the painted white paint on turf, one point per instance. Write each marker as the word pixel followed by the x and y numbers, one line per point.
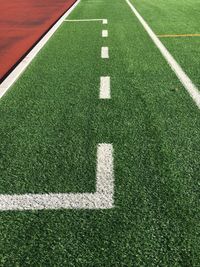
pixel 105 33
pixel 104 52
pixel 101 199
pixel 95 1
pixel 15 74
pixel 104 88
pixel 104 21
pixel 182 76
pixel 105 175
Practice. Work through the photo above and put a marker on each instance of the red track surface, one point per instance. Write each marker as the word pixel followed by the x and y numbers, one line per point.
pixel 22 24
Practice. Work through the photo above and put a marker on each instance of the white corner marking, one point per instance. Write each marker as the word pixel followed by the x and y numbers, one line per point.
pixel 101 199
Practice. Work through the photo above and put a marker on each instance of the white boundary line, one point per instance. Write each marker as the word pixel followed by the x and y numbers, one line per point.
pixel 182 76
pixel 104 88
pixel 15 74
pixel 104 21
pixel 101 199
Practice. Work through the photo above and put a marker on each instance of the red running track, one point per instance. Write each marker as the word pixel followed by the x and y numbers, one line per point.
pixel 22 24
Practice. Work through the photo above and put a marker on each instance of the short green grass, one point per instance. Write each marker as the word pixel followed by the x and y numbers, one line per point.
pixel 52 120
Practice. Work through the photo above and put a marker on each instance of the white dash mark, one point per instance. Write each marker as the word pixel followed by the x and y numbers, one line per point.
pixel 104 33
pixel 105 21
pixel 104 52
pixel 104 88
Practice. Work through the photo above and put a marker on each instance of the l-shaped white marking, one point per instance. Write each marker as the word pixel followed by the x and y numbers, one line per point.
pixel 101 199
pixel 104 21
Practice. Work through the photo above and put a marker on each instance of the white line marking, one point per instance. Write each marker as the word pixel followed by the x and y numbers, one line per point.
pixel 95 1
pixel 104 52
pixel 104 88
pixel 101 199
pixel 15 74
pixel 105 175
pixel 104 21
pixel 182 76
pixel 104 33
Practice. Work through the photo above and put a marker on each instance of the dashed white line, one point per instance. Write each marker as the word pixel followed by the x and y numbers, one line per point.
pixel 105 33
pixel 103 198
pixel 104 88
pixel 105 21
pixel 104 52
pixel 182 76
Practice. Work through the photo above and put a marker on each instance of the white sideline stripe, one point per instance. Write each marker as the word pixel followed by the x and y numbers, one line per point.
pixel 104 52
pixel 104 33
pixel 182 76
pixel 101 199
pixel 15 74
pixel 104 21
pixel 104 88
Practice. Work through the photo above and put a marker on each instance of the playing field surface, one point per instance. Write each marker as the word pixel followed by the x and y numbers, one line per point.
pixel 99 142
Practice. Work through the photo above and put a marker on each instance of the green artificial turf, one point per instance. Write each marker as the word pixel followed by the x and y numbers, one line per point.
pixel 170 17
pixel 180 17
pixel 50 124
